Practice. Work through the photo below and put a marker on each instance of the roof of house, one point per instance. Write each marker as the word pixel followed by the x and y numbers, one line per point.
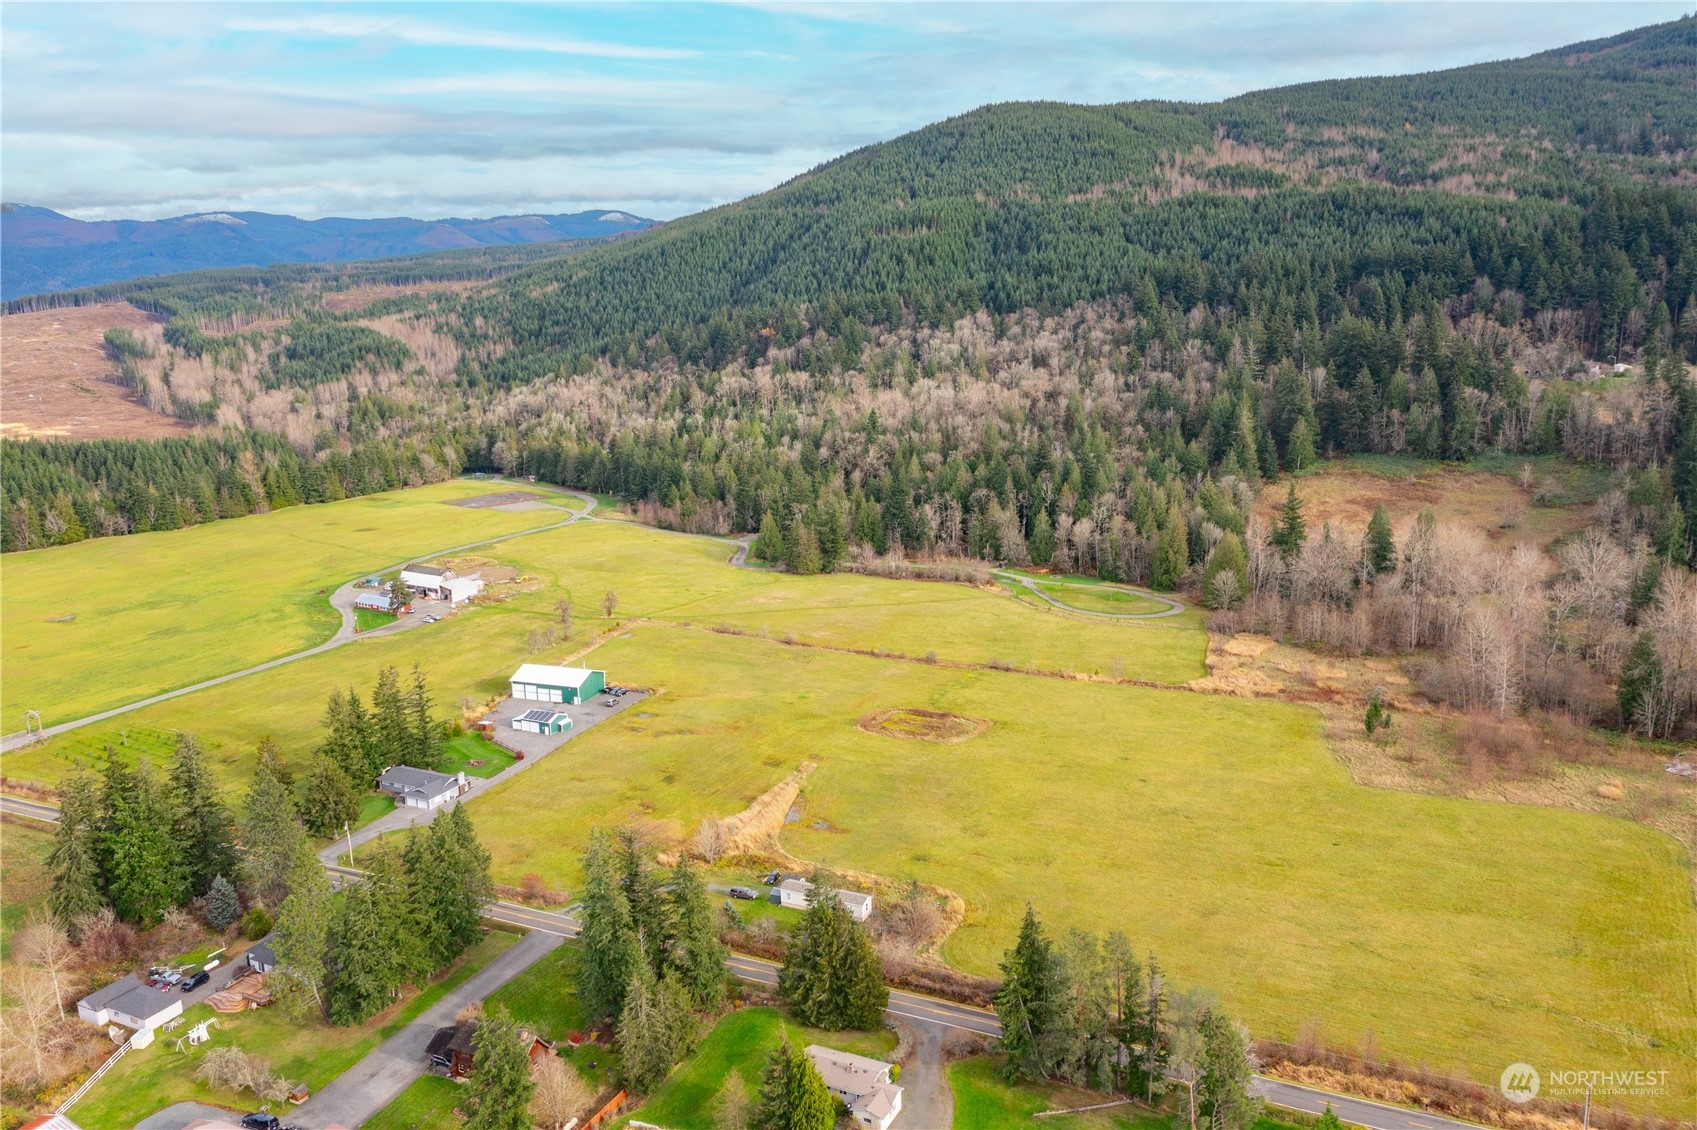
pixel 415 782
pixel 850 899
pixel 143 1002
pixel 540 716
pixel 880 1102
pixel 262 952
pixel 440 1040
pixel 102 997
pixel 427 570
pixel 846 1072
pixel 554 676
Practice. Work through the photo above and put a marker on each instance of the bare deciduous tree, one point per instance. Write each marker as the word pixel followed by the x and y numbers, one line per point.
pixel 44 944
pixel 561 1093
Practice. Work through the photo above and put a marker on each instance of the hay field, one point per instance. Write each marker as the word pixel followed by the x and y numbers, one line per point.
pixel 1217 832
pixel 163 610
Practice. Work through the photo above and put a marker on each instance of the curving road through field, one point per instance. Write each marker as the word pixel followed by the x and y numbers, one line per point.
pixel 1173 607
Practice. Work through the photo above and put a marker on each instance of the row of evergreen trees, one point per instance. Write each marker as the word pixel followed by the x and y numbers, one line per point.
pixel 397 729
pixel 651 956
pixel 418 908
pixel 1090 1012
pixel 55 492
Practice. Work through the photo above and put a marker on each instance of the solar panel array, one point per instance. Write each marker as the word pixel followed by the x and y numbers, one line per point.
pixel 537 716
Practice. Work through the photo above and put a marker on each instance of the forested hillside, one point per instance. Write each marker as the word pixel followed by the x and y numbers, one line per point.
pixel 1028 316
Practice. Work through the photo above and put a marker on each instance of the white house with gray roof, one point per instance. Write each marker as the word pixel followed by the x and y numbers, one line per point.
pixel 863 1085
pixel 128 1002
pixel 421 788
pixel 797 893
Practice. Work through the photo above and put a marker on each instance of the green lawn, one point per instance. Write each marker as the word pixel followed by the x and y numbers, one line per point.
pixel 463 749
pixel 985 1101
pixel 1101 598
pixel 370 619
pixel 155 611
pixel 544 999
pixel 373 805
pixel 24 879
pixel 427 1104
pixel 739 1044
pixel 155 1077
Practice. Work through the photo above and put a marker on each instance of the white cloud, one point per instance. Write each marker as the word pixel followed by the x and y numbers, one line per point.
pixel 348 26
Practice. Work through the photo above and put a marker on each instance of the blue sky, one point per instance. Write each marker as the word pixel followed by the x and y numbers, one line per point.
pixel 142 111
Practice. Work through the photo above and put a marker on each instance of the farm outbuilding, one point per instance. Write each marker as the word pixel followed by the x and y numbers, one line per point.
pixel 376 601
pixel 442 584
pixel 538 682
pixel 541 721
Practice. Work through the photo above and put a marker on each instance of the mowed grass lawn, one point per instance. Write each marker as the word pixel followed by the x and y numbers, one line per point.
pixel 314 1053
pixel 157 611
pixel 736 1049
pixel 1217 832
pixel 428 1103
pixel 1101 598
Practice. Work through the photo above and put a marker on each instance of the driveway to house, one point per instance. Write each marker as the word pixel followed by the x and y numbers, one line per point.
pixel 372 1083
pixel 583 717
pixel 1173 607
pixel 927 1101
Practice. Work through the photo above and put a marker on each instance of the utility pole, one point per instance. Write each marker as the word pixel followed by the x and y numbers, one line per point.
pixel 1587 1106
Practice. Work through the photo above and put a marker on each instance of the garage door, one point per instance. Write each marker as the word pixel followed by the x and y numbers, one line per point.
pixel 552 694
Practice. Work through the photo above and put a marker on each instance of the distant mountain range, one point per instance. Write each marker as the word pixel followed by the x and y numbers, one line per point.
pixel 42 251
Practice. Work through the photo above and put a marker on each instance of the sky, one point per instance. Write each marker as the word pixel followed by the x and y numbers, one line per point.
pixel 142 111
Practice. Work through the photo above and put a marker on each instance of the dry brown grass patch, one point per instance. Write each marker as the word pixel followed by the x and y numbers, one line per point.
pixel 923 725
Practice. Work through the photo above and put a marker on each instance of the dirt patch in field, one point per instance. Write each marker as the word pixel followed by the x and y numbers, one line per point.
pixel 488 568
pixel 506 500
pixel 57 382
pixel 923 725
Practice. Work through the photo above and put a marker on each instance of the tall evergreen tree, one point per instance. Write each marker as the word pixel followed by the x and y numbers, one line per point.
pixel 305 923
pixel 1292 530
pixel 1149 1035
pixel 832 977
pixel 793 1095
pixel 653 1030
pixel 348 740
pixel 608 938
pixel 74 861
pixel 424 736
pixel 1222 1086
pixel 328 799
pixel 205 829
pixel 501 1087
pixel 145 871
pixel 649 911
pixel 696 954
pixel 769 545
pixel 391 727
pixel 1025 1003
pixel 1379 547
pixel 223 906
pixel 448 875
pixel 1172 552
pixel 272 838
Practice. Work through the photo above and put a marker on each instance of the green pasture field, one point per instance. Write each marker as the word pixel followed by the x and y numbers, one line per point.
pixel 739 1044
pixel 1217 832
pixel 312 1052
pixel 428 1103
pixel 370 619
pixel 163 610
pixel 670 578
pixel 1101 598
pixel 24 879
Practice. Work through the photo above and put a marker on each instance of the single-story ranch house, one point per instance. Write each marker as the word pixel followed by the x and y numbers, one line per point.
pixel 421 788
pixel 128 1002
pixel 539 682
pixel 442 584
pixel 794 893
pixel 542 721
pixel 377 601
pixel 863 1085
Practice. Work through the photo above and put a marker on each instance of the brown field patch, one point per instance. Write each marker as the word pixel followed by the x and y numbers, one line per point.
pixel 923 725
pixel 1495 503
pixel 56 381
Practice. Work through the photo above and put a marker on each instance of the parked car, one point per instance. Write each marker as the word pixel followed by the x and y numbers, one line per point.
pixel 743 893
pixel 772 879
pixel 609 702
pixel 170 976
pixel 261 1121
pixel 194 981
pixel 616 692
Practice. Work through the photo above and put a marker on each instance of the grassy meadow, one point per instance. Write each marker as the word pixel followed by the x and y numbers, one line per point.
pixel 1218 832
pixel 151 612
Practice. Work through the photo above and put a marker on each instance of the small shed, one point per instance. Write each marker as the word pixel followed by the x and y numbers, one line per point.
pixel 421 788
pixel 539 682
pixel 262 957
pixel 542 721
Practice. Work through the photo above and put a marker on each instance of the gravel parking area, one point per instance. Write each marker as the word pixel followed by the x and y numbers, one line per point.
pixel 583 716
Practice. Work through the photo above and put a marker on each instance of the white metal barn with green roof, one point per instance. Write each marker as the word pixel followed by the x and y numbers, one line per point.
pixel 538 682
